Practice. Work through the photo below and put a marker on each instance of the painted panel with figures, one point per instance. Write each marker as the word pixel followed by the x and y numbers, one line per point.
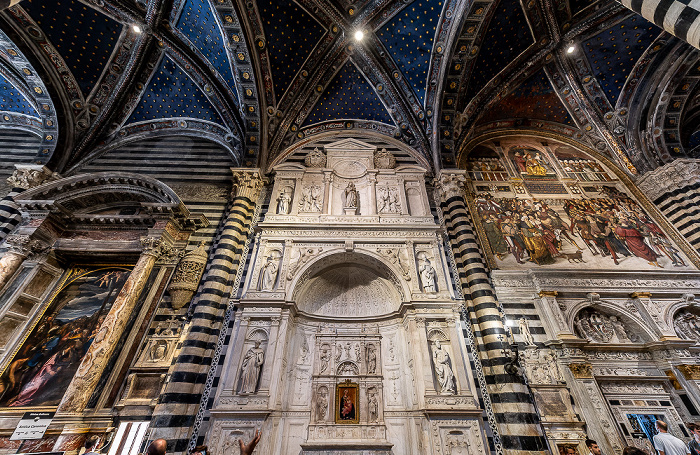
pixel 562 208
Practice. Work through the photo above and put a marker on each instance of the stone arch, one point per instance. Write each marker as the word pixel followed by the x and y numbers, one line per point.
pixel 358 276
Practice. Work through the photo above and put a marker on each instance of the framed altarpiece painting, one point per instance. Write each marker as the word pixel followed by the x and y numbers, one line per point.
pixel 346 403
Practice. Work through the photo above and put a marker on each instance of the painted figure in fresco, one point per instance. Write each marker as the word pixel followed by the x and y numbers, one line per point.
pixel 347 406
pixel 40 372
pixel 520 162
pixel 533 165
pixel 250 369
pixel 443 369
pixel 613 228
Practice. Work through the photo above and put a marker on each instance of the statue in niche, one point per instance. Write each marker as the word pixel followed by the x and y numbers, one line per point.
pixel 525 332
pixel 338 351
pixel 687 325
pixel 325 357
pixel 311 199
pixel 443 369
pixel 350 196
pixel 322 404
pixel 283 202
pixel 599 328
pixel 371 359
pixel 427 276
pixel 372 405
pixel 250 369
pixel 268 275
pixel 358 352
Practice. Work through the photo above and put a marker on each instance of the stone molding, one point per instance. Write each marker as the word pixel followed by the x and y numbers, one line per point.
pixel 669 177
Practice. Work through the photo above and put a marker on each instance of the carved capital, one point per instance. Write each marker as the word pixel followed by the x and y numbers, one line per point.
pixel 451 183
pixel 247 183
pixel 581 370
pixel 26 246
pixel 186 277
pixel 690 372
pixel 156 247
pixel 28 176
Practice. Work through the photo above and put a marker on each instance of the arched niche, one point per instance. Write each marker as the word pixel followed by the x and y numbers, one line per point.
pixel 348 285
pixel 542 203
pixel 604 324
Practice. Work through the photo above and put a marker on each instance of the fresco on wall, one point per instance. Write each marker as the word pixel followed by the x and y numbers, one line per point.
pixel 486 165
pixel 544 219
pixel 43 367
pixel 603 232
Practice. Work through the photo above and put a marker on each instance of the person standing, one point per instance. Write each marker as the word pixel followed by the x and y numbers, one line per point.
pixel 694 444
pixel 593 448
pixel 667 444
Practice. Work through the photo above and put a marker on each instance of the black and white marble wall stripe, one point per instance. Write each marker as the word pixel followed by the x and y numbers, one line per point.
pixel 675 190
pixel 678 17
pixel 519 427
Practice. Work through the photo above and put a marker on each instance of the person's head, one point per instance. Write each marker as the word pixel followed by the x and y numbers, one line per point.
pixel 691 426
pixel 630 450
pixel 661 426
pixel 695 430
pixel 157 447
pixel 200 450
pixel 593 446
pixel 569 450
pixel 91 443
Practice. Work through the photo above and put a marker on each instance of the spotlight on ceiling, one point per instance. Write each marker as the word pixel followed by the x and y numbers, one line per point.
pixel 571 49
pixel 136 28
pixel 359 35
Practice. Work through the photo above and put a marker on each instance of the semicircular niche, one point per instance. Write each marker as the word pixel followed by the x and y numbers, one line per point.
pixel 348 291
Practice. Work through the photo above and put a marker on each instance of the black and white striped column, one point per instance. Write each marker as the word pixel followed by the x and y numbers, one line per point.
pixel 675 190
pixel 678 17
pixel 177 407
pixel 517 419
pixel 26 176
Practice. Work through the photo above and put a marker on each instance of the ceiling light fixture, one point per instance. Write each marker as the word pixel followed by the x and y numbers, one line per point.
pixel 570 49
pixel 136 28
pixel 359 35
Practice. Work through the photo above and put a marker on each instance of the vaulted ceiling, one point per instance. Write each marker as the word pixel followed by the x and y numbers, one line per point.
pixel 257 77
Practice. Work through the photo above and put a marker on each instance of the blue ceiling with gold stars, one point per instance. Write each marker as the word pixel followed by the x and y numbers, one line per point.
pixel 172 93
pixel 507 37
pixel 349 96
pixel 291 35
pixel 11 100
pixel 198 23
pixel 84 37
pixel 614 52
pixel 409 39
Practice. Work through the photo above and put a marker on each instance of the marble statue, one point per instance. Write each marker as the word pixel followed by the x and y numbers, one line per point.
pixel 325 357
pixel 373 406
pixel 322 403
pixel 427 276
pixel 443 369
pixel 283 202
pixel 525 332
pixel 250 369
pixel 371 359
pixel 268 276
pixel 350 194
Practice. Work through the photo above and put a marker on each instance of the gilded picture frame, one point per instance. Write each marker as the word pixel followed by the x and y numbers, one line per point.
pixel 347 396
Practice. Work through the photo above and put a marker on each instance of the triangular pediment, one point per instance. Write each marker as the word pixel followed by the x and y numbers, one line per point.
pixel 350 144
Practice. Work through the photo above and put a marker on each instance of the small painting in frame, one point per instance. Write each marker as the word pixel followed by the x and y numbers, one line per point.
pixel 346 403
